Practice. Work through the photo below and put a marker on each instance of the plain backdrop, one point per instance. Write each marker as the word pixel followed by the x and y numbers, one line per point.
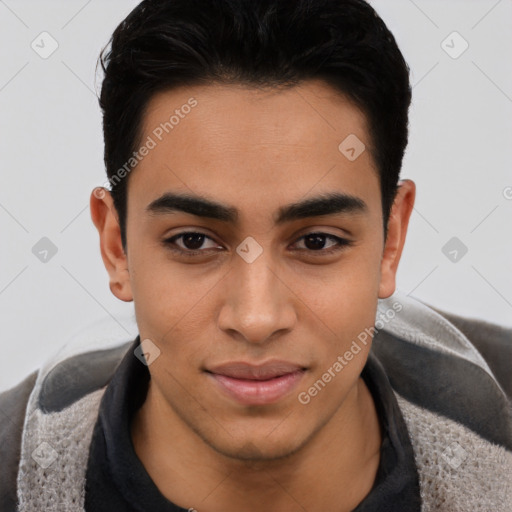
pixel 51 150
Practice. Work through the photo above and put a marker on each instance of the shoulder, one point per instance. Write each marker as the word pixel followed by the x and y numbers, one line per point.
pixel 451 376
pixel 79 375
pixel 57 387
pixel 493 341
pixel 12 414
pixel 455 367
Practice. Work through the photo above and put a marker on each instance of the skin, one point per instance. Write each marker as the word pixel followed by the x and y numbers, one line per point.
pixel 256 151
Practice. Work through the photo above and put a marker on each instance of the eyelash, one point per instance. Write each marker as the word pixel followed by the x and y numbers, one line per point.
pixel 342 244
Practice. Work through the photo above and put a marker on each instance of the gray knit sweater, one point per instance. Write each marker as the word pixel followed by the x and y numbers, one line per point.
pixel 452 378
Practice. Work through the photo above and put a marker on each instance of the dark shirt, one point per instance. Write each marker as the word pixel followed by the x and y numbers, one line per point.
pixel 117 481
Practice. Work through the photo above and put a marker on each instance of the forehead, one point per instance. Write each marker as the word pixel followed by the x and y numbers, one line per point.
pixel 243 116
pixel 263 146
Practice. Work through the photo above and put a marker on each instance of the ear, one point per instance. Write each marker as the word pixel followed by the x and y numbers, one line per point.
pixel 105 218
pixel 397 231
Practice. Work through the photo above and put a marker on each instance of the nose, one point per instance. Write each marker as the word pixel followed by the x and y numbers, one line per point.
pixel 258 304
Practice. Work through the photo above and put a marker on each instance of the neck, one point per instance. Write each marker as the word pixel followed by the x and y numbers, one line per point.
pixel 337 465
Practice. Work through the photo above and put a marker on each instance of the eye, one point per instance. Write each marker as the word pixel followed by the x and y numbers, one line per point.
pixel 192 241
pixel 315 242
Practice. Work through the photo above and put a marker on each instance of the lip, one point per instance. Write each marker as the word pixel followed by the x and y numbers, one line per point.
pixel 262 384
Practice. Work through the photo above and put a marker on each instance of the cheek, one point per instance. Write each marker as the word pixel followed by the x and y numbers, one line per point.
pixel 160 299
pixel 343 311
pixel 171 307
pixel 343 351
pixel 346 296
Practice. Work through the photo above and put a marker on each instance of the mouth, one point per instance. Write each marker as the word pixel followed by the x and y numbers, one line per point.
pixel 261 384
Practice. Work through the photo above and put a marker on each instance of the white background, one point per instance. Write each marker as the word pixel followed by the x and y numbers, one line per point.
pixel 51 149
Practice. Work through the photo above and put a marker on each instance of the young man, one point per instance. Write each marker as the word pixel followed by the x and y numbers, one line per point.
pixel 256 219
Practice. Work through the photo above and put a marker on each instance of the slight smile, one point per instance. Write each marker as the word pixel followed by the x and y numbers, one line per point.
pixel 263 384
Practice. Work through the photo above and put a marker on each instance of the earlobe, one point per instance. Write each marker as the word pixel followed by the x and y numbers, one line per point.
pixel 104 217
pixel 397 232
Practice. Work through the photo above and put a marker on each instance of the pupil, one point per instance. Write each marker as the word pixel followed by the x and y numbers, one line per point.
pixel 194 241
pixel 315 238
pixel 196 245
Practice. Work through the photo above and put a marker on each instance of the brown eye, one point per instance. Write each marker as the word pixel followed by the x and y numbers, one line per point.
pixel 191 243
pixel 315 242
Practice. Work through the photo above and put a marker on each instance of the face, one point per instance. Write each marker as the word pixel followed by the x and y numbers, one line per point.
pixel 252 298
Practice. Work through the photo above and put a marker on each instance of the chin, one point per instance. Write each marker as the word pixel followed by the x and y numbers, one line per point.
pixel 257 446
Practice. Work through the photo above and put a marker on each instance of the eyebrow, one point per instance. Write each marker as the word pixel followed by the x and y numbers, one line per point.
pixel 324 204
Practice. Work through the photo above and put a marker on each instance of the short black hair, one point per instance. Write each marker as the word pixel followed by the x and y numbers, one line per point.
pixel 163 44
